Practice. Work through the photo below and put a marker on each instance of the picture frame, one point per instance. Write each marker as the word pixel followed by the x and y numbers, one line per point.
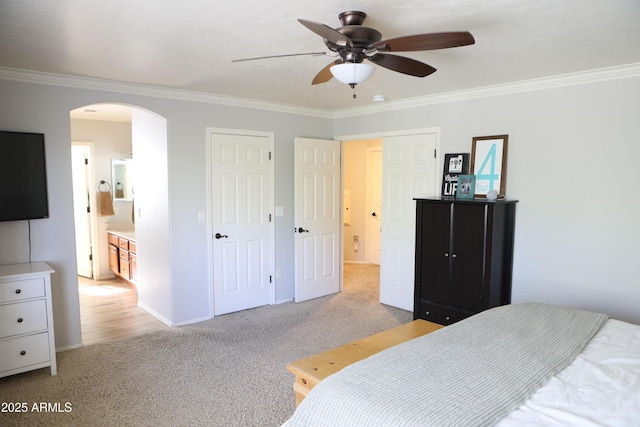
pixel 455 164
pixel 466 187
pixel 489 164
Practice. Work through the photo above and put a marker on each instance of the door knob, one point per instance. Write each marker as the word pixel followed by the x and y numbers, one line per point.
pixel 220 236
pixel 302 230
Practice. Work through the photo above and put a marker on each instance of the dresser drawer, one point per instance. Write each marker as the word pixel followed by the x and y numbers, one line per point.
pixel 132 246
pixel 21 289
pixel 24 351
pixel 23 318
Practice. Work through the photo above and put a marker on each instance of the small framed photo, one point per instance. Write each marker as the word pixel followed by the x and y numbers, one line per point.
pixel 466 187
pixel 489 163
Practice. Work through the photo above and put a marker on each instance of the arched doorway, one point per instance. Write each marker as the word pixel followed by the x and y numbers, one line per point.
pixel 102 141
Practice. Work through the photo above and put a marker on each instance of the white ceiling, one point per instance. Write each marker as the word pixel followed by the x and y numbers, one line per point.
pixel 189 45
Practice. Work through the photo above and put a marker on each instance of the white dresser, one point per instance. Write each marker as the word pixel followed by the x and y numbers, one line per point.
pixel 26 318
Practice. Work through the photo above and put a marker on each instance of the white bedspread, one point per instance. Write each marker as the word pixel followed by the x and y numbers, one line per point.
pixel 471 373
pixel 601 387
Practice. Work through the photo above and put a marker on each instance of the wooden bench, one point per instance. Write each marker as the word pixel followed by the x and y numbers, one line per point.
pixel 313 369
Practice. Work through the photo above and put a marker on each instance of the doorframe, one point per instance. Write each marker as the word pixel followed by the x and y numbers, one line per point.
pixel 373 135
pixel 93 225
pixel 209 211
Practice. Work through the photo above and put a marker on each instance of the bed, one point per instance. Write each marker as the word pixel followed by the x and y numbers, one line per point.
pixel 526 364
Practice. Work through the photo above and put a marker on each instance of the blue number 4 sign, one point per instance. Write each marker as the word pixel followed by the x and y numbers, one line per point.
pixel 489 163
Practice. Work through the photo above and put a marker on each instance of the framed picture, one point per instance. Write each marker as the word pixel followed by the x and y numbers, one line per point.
pixel 489 163
pixel 455 164
pixel 466 187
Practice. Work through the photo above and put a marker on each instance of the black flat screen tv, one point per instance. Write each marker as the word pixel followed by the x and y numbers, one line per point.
pixel 23 176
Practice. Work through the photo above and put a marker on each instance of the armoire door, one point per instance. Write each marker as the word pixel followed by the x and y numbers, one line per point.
pixel 434 260
pixel 469 257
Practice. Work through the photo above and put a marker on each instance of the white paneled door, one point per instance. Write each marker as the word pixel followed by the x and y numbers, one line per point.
pixel 317 218
pixel 408 172
pixel 241 189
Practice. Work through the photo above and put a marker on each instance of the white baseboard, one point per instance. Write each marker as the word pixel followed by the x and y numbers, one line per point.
pixel 155 314
pixel 69 347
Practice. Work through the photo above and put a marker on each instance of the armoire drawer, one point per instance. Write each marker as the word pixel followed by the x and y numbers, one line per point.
pixel 24 351
pixel 430 311
pixel 452 315
pixel 440 313
pixel 23 318
pixel 21 290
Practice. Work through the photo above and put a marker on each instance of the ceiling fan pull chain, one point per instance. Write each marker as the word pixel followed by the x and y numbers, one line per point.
pixel 353 86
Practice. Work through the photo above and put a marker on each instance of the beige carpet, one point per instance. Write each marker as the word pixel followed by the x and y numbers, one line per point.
pixel 228 371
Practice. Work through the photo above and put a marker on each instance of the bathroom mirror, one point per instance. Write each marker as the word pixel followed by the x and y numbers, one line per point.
pixel 122 179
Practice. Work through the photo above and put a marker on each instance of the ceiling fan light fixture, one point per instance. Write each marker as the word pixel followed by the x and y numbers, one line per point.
pixel 352 73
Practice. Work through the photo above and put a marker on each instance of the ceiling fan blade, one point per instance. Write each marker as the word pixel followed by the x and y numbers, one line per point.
pixel 402 64
pixel 327 32
pixel 324 75
pixel 280 56
pixel 430 41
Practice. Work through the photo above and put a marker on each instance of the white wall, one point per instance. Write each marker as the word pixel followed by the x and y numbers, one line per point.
pixel 36 108
pixel 152 211
pixel 571 158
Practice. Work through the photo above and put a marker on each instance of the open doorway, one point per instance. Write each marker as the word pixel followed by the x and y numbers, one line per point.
pixel 409 170
pixel 362 213
pixel 109 308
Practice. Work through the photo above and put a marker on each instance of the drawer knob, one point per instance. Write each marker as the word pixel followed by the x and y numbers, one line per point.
pixel 22 353
pixel 447 317
pixel 19 319
pixel 427 313
pixel 18 291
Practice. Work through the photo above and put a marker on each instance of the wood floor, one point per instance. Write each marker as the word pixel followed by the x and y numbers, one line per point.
pixel 109 310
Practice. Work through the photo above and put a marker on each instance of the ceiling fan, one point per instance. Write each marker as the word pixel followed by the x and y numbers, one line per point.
pixel 355 43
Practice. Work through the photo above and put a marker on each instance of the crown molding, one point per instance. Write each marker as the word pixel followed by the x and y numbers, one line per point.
pixel 153 91
pixel 584 77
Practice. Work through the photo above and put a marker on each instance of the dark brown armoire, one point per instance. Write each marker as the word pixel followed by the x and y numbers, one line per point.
pixel 464 257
